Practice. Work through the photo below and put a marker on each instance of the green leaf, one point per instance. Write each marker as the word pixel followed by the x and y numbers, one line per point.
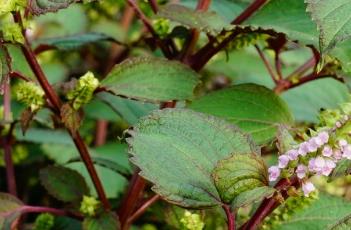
pixel 9 210
pixel 238 174
pixel 73 41
pixel 321 214
pixel 343 168
pixel 106 221
pixel 333 21
pixel 342 51
pixel 38 135
pixel 306 100
pixel 5 67
pixel 206 21
pixel 255 109
pixel 343 224
pixel 151 79
pixel 285 141
pixel 38 7
pixel 288 17
pixel 128 109
pixel 63 183
pixel 251 196
pixel 177 150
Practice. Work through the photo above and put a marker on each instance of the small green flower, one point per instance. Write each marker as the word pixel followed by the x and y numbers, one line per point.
pixel 83 91
pixel 89 206
pixel 161 26
pixel 7 6
pixel 12 32
pixel 30 94
pixel 44 221
pixel 192 221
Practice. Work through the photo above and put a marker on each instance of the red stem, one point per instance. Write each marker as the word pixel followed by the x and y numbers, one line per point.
pixel 230 217
pixel 249 11
pixel 267 64
pixel 303 68
pixel 154 6
pixel 143 208
pixel 101 132
pixel 57 212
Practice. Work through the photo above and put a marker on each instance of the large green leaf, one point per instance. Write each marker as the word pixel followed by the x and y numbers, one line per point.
pixel 343 224
pixel 177 150
pixel 73 41
pixel 151 79
pixel 38 135
pixel 238 174
pixel 333 20
pixel 255 109
pixel 63 183
pixel 288 17
pixel 106 221
pixel 38 7
pixel 322 213
pixel 128 109
pixel 206 21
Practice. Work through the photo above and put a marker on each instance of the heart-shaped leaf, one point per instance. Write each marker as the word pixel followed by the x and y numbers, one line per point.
pixel 63 183
pixel 333 21
pixel 254 108
pixel 151 79
pixel 177 150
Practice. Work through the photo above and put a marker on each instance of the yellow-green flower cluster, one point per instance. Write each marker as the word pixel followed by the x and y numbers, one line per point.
pixel 161 26
pixel 11 5
pixel 31 95
pixel 83 91
pixel 192 221
pixel 89 206
pixel 12 32
pixel 44 221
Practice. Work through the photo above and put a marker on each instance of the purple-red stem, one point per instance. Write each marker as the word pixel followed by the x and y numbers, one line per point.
pixel 267 64
pixel 57 212
pixel 249 11
pixel 230 217
pixel 154 6
pixel 143 208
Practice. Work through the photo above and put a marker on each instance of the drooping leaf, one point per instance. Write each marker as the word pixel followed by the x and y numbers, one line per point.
pixel 70 117
pixel 9 210
pixel 252 196
pixel 238 174
pixel 288 17
pixel 255 109
pixel 343 224
pixel 26 118
pixel 38 7
pixel 177 150
pixel 5 67
pixel 320 215
pixel 73 41
pixel 333 21
pixel 151 79
pixel 206 21
pixel 63 183
pixel 128 109
pixel 106 221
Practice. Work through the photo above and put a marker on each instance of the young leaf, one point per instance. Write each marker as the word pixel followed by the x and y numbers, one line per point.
pixel 255 109
pixel 70 117
pixel 238 174
pixel 177 150
pixel 207 21
pixel 106 221
pixel 333 21
pixel 288 17
pixel 63 183
pixel 151 79
pixel 74 41
pixel 38 7
pixel 320 215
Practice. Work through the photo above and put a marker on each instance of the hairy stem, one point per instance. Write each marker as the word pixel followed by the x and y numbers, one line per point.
pixel 249 11
pixel 230 217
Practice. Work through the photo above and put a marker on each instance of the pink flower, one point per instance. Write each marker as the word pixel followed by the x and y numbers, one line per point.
pixel 307 188
pixel 346 152
pixel 303 149
pixel 337 155
pixel 327 151
pixel 317 165
pixel 328 167
pixel 292 154
pixel 342 143
pixel 311 164
pixel 283 161
pixel 274 173
pixel 324 137
pixel 313 144
pixel 301 171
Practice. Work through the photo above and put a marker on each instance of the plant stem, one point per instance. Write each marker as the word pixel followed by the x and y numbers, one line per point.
pixel 269 204
pixel 143 208
pixel 230 217
pixel 101 132
pixel 303 68
pixel 10 169
pixel 57 212
pixel 249 11
pixel 267 64
pixel 154 6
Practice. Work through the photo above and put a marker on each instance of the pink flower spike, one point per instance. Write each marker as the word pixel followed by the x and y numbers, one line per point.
pixel 327 151
pixel 301 171
pixel 319 162
pixel 312 144
pixel 274 173
pixel 342 143
pixel 328 168
pixel 292 154
pixel 307 188
pixel 337 155
pixel 346 153
pixel 324 137
pixel 311 164
pixel 283 161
